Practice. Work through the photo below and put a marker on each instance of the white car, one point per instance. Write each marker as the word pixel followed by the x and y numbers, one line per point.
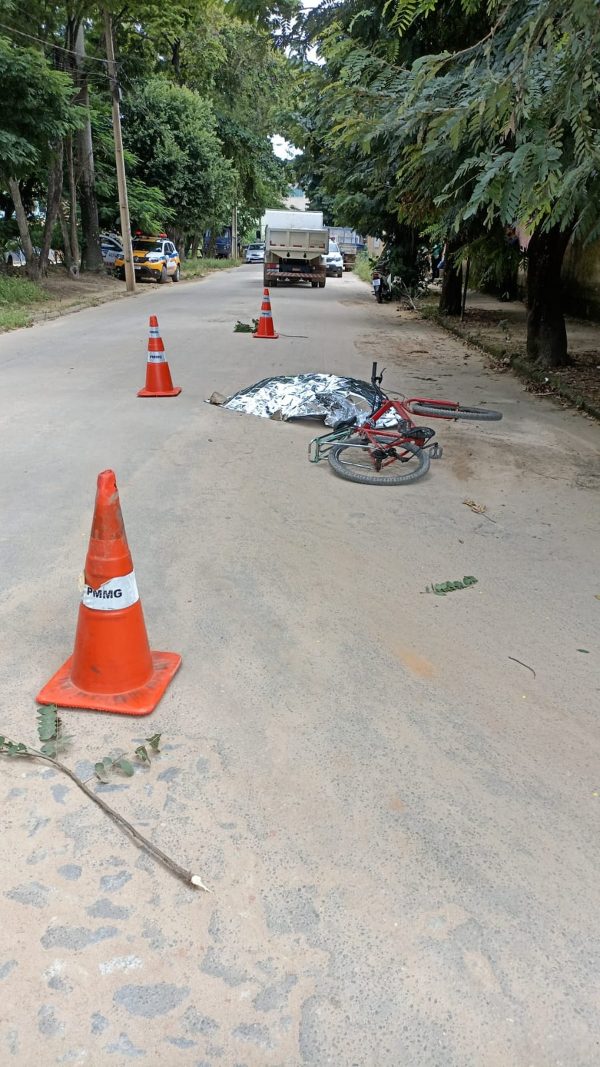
pixel 333 261
pixel 255 253
pixel 15 257
pixel 111 246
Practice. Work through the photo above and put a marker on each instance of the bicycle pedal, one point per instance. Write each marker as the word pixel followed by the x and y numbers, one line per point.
pixel 437 452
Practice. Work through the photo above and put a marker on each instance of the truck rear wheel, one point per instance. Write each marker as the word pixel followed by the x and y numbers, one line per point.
pixel 321 285
pixel 274 283
pixel 314 285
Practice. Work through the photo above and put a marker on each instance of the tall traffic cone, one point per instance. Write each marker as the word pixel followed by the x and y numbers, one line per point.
pixel 158 375
pixel 265 323
pixel 112 667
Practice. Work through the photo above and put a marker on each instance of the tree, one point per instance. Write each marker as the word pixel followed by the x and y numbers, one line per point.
pixel 58 29
pixel 224 52
pixel 232 64
pixel 171 132
pixel 521 112
pixel 31 136
pixel 345 167
pixel 502 131
pixel 91 258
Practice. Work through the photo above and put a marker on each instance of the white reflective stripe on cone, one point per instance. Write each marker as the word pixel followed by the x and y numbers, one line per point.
pixel 112 595
pixel 156 357
pixel 154 331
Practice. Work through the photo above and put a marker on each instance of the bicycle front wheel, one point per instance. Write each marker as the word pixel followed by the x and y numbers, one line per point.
pixel 357 464
pixel 445 411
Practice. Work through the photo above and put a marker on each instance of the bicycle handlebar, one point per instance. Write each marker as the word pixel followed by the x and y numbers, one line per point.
pixel 380 396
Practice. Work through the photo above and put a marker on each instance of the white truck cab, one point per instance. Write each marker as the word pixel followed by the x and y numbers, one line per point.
pixel 334 261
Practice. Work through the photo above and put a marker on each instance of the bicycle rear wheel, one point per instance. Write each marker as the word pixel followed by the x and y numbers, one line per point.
pixel 444 411
pixel 355 463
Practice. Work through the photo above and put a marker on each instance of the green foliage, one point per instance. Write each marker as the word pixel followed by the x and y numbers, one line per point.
pixel 187 161
pixel 12 748
pixel 232 64
pixel 154 742
pixel 171 131
pixel 246 327
pixel 363 267
pixel 104 767
pixel 441 588
pixel 36 109
pixel 462 119
pixel 50 731
pixel 504 128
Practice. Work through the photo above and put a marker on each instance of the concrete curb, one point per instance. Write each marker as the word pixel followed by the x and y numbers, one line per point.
pixel 524 370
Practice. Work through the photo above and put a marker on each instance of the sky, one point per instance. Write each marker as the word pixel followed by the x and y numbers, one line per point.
pixel 283 148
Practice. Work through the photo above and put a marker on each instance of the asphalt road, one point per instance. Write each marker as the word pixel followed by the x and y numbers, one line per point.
pixel 398 820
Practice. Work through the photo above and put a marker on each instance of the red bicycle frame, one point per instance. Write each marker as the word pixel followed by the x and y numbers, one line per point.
pixel 404 409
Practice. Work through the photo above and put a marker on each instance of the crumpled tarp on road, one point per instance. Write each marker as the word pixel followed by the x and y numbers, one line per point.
pixel 308 396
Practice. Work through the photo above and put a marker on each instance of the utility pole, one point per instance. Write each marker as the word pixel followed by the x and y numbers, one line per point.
pixel 120 162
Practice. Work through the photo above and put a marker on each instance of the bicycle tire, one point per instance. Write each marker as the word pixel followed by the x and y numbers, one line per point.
pixel 466 414
pixel 377 479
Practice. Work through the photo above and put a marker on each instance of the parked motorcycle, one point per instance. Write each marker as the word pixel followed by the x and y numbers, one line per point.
pixel 382 283
pixel 391 287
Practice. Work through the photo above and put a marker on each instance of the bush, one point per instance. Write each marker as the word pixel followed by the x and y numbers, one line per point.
pixel 363 267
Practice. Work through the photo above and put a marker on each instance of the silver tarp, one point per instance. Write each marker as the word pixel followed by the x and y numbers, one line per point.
pixel 308 396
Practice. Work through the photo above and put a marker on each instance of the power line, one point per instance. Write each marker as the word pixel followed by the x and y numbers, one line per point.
pixel 50 44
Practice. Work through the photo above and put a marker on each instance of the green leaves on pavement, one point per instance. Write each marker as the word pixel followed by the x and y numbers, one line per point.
pixel 441 588
pixel 106 766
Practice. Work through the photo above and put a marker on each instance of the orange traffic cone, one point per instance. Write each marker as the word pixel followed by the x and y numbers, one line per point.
pixel 158 375
pixel 265 323
pixel 112 667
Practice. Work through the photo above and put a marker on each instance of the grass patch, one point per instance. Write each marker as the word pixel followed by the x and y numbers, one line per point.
pixel 363 267
pixel 19 291
pixel 17 299
pixel 197 268
pixel 13 318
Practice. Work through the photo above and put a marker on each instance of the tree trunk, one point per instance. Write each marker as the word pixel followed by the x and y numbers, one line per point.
pixel 66 237
pixel 451 294
pixel 177 236
pixel 33 266
pixel 55 180
pixel 70 262
pixel 546 330
pixel 91 257
pixel 176 58
pixel 73 235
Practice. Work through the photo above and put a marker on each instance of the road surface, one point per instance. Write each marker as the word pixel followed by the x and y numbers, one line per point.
pixel 397 818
